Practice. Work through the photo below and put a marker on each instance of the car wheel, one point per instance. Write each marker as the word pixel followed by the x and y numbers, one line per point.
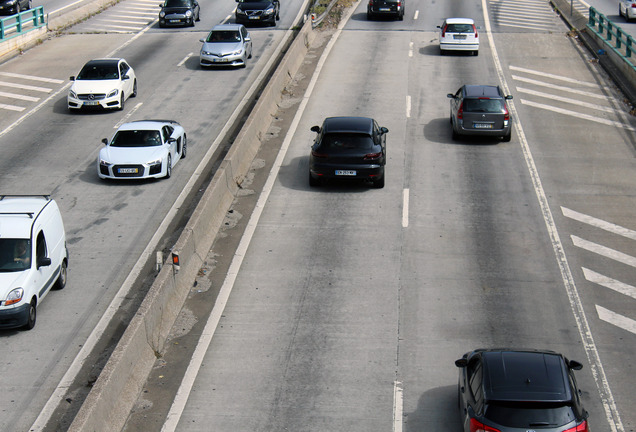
pixel 30 4
pixel 620 12
pixel 455 135
pixel 169 167
pixel 313 182
pixel 369 17
pixel 32 316
pixel 134 92
pixel 401 17
pixel 250 56
pixel 379 184
pixel 442 52
pixel 508 136
pixel 184 147
pixel 476 53
pixel 17 7
pixel 61 279
pixel 122 102
pixel 198 16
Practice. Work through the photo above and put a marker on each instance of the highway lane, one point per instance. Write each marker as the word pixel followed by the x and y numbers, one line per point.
pixel 351 304
pixel 46 149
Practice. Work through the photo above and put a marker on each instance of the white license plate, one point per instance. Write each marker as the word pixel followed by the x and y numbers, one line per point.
pixel 255 17
pixel 219 60
pixel 127 170
pixel 459 36
pixel 91 103
pixel 482 125
pixel 346 172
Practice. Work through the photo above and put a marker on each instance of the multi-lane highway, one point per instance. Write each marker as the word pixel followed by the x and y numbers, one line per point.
pixel 351 303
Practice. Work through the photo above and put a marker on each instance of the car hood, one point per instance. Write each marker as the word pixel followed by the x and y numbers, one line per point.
pixel 132 155
pixel 95 86
pixel 11 280
pixel 255 5
pixel 221 48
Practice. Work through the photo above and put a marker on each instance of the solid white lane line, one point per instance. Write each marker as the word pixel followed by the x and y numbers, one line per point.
pixel 568 100
pixel 596 366
pixel 599 223
pixel 604 251
pixel 410 49
pixel 128 115
pixel 616 319
pixel 408 106
pixel 579 115
pixel 554 76
pixel 607 282
pixel 561 88
pixel 417 13
pixel 182 62
pixel 398 406
pixel 405 208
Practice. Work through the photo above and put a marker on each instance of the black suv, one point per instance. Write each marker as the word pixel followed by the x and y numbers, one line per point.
pixel 348 148
pixel 257 11
pixel 480 110
pixel 519 391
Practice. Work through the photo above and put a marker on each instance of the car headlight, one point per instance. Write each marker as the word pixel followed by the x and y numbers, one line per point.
pixel 155 162
pixel 104 162
pixel 240 11
pixel 162 14
pixel 113 93
pixel 269 11
pixel 205 53
pixel 188 13
pixel 14 297
pixel 237 52
pixel 72 94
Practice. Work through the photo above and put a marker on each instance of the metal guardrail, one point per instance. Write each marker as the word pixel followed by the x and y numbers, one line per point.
pixel 615 37
pixel 21 23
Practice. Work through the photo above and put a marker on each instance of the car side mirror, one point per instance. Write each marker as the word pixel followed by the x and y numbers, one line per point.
pixel 248 38
pixel 574 365
pixel 384 130
pixel 160 5
pixel 202 40
pixel 105 141
pixel 439 27
pixel 44 262
pixel 171 140
pixel 72 78
pixel 315 129
pixel 508 97
pixel 462 362
pixel 450 96
pixel 125 77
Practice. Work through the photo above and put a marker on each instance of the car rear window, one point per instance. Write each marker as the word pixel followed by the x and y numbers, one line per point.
pixel 483 105
pixel 529 415
pixel 346 142
pixel 459 28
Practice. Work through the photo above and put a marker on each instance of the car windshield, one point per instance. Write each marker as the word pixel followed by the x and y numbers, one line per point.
pixel 136 138
pixel 483 105
pixel 345 142
pixel 177 3
pixel 530 415
pixel 459 28
pixel 15 255
pixel 99 72
pixel 224 36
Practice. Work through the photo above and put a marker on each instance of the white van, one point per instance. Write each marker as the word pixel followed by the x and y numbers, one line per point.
pixel 33 256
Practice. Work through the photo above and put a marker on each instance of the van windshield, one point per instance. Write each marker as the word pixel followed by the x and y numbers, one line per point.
pixel 15 255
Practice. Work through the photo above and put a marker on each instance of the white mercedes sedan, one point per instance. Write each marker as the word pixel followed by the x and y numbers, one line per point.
pixel 142 149
pixel 102 83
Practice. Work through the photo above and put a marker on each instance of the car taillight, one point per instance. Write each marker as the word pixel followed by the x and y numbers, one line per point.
pixel 460 111
pixel 475 30
pixel 319 155
pixel 476 426
pixel 371 156
pixel 444 30
pixel 370 2
pixel 506 113
pixel 579 428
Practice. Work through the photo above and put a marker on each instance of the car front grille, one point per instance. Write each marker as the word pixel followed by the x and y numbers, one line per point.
pixel 117 168
pixel 91 96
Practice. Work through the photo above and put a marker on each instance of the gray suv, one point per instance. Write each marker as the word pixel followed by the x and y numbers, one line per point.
pixel 480 110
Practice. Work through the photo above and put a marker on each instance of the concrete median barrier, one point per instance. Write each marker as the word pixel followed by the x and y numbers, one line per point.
pixel 111 399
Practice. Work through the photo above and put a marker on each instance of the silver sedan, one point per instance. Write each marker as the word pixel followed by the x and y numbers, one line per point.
pixel 226 45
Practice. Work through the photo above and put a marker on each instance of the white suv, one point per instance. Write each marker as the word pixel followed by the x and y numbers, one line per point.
pixel 33 256
pixel 458 34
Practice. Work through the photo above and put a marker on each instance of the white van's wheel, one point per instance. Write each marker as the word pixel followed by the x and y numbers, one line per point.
pixel 32 315
pixel 61 279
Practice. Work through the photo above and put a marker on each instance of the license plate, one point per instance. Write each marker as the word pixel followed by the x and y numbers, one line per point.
pixel 219 60
pixel 255 17
pixel 174 21
pixel 91 103
pixel 127 171
pixel 385 10
pixel 345 172
pixel 482 125
pixel 459 36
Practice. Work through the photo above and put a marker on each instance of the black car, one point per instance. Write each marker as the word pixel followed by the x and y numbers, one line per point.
pixel 505 390
pixel 12 7
pixel 392 8
pixel 480 110
pixel 348 148
pixel 257 11
pixel 179 13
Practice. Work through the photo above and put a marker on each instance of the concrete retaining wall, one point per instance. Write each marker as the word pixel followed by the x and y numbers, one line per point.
pixel 116 390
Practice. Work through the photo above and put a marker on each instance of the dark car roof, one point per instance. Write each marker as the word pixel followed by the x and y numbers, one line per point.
pixel 348 124
pixel 483 91
pixel 538 376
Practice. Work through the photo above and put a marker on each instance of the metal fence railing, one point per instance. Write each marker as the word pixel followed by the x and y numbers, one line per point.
pixel 615 38
pixel 21 23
